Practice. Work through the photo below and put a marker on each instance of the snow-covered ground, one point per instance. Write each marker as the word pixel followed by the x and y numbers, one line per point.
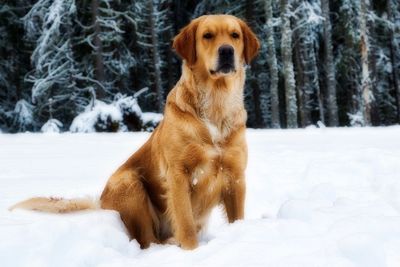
pixel 315 197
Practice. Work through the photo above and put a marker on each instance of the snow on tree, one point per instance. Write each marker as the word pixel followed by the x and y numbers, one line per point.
pixel 234 7
pixel 367 96
pixel 169 24
pixel 97 46
pixel 330 68
pixel 52 126
pixel 348 61
pixel 23 116
pixel 152 19
pixel 384 108
pixel 273 65
pixel 14 61
pixel 107 61
pixel 307 28
pixel 7 88
pixel 150 120
pixel 288 69
pixel 257 98
pixel 357 54
pixel 123 114
pixel 99 117
pixel 49 25
pixel 393 11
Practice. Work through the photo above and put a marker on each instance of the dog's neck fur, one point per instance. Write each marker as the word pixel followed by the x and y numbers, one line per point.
pixel 218 102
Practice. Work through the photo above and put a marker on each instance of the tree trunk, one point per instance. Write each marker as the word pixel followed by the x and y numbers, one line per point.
pixel 373 72
pixel 307 74
pixel 315 82
pixel 330 70
pixel 156 58
pixel 394 17
pixel 301 82
pixel 273 66
pixel 320 98
pixel 98 57
pixel 366 90
pixel 288 72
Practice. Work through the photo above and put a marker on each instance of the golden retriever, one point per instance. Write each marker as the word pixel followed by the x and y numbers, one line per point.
pixel 196 158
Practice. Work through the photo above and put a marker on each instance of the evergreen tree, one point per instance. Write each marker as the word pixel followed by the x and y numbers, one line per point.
pixel 14 64
pixel 152 17
pixel 101 47
pixel 332 61
pixel 384 109
pixel 349 78
pixel 48 25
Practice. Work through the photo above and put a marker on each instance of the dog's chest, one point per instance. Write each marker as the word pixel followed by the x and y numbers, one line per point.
pixel 217 134
pixel 208 180
pixel 210 172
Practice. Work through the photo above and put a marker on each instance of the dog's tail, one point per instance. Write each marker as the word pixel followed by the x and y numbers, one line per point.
pixel 57 205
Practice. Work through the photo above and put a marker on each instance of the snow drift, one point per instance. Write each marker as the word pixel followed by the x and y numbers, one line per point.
pixel 315 197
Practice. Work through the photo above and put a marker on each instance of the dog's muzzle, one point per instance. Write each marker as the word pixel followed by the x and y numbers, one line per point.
pixel 226 61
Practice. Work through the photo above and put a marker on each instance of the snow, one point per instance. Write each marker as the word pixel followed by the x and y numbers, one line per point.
pixel 315 197
pixel 151 117
pixel 86 121
pixel 52 126
pixel 128 104
pixel 356 119
pixel 23 113
pixel 103 117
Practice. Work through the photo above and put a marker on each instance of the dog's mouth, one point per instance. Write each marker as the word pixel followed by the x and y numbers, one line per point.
pixel 225 68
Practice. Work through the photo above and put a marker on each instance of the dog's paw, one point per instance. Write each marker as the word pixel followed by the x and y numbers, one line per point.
pixel 189 244
pixel 171 241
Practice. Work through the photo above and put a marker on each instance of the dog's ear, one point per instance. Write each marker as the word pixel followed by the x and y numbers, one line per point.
pixel 250 41
pixel 185 43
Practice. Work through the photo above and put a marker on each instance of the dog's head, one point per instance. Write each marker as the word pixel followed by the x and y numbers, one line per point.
pixel 218 43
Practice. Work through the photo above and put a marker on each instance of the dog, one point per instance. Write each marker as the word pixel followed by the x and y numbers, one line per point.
pixel 196 158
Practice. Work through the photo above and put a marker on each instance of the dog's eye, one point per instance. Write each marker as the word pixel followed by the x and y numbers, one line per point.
pixel 235 35
pixel 208 35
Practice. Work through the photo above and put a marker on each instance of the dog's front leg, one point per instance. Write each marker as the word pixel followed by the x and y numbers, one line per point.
pixel 234 165
pixel 233 198
pixel 180 210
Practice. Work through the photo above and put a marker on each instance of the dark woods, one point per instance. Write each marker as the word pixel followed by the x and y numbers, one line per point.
pixel 107 62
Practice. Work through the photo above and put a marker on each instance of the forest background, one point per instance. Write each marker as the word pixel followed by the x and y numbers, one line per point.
pixel 103 65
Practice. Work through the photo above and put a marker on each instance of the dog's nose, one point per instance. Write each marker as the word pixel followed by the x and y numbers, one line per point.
pixel 225 51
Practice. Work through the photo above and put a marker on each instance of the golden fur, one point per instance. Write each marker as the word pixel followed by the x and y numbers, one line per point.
pixel 196 157
pixel 57 205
